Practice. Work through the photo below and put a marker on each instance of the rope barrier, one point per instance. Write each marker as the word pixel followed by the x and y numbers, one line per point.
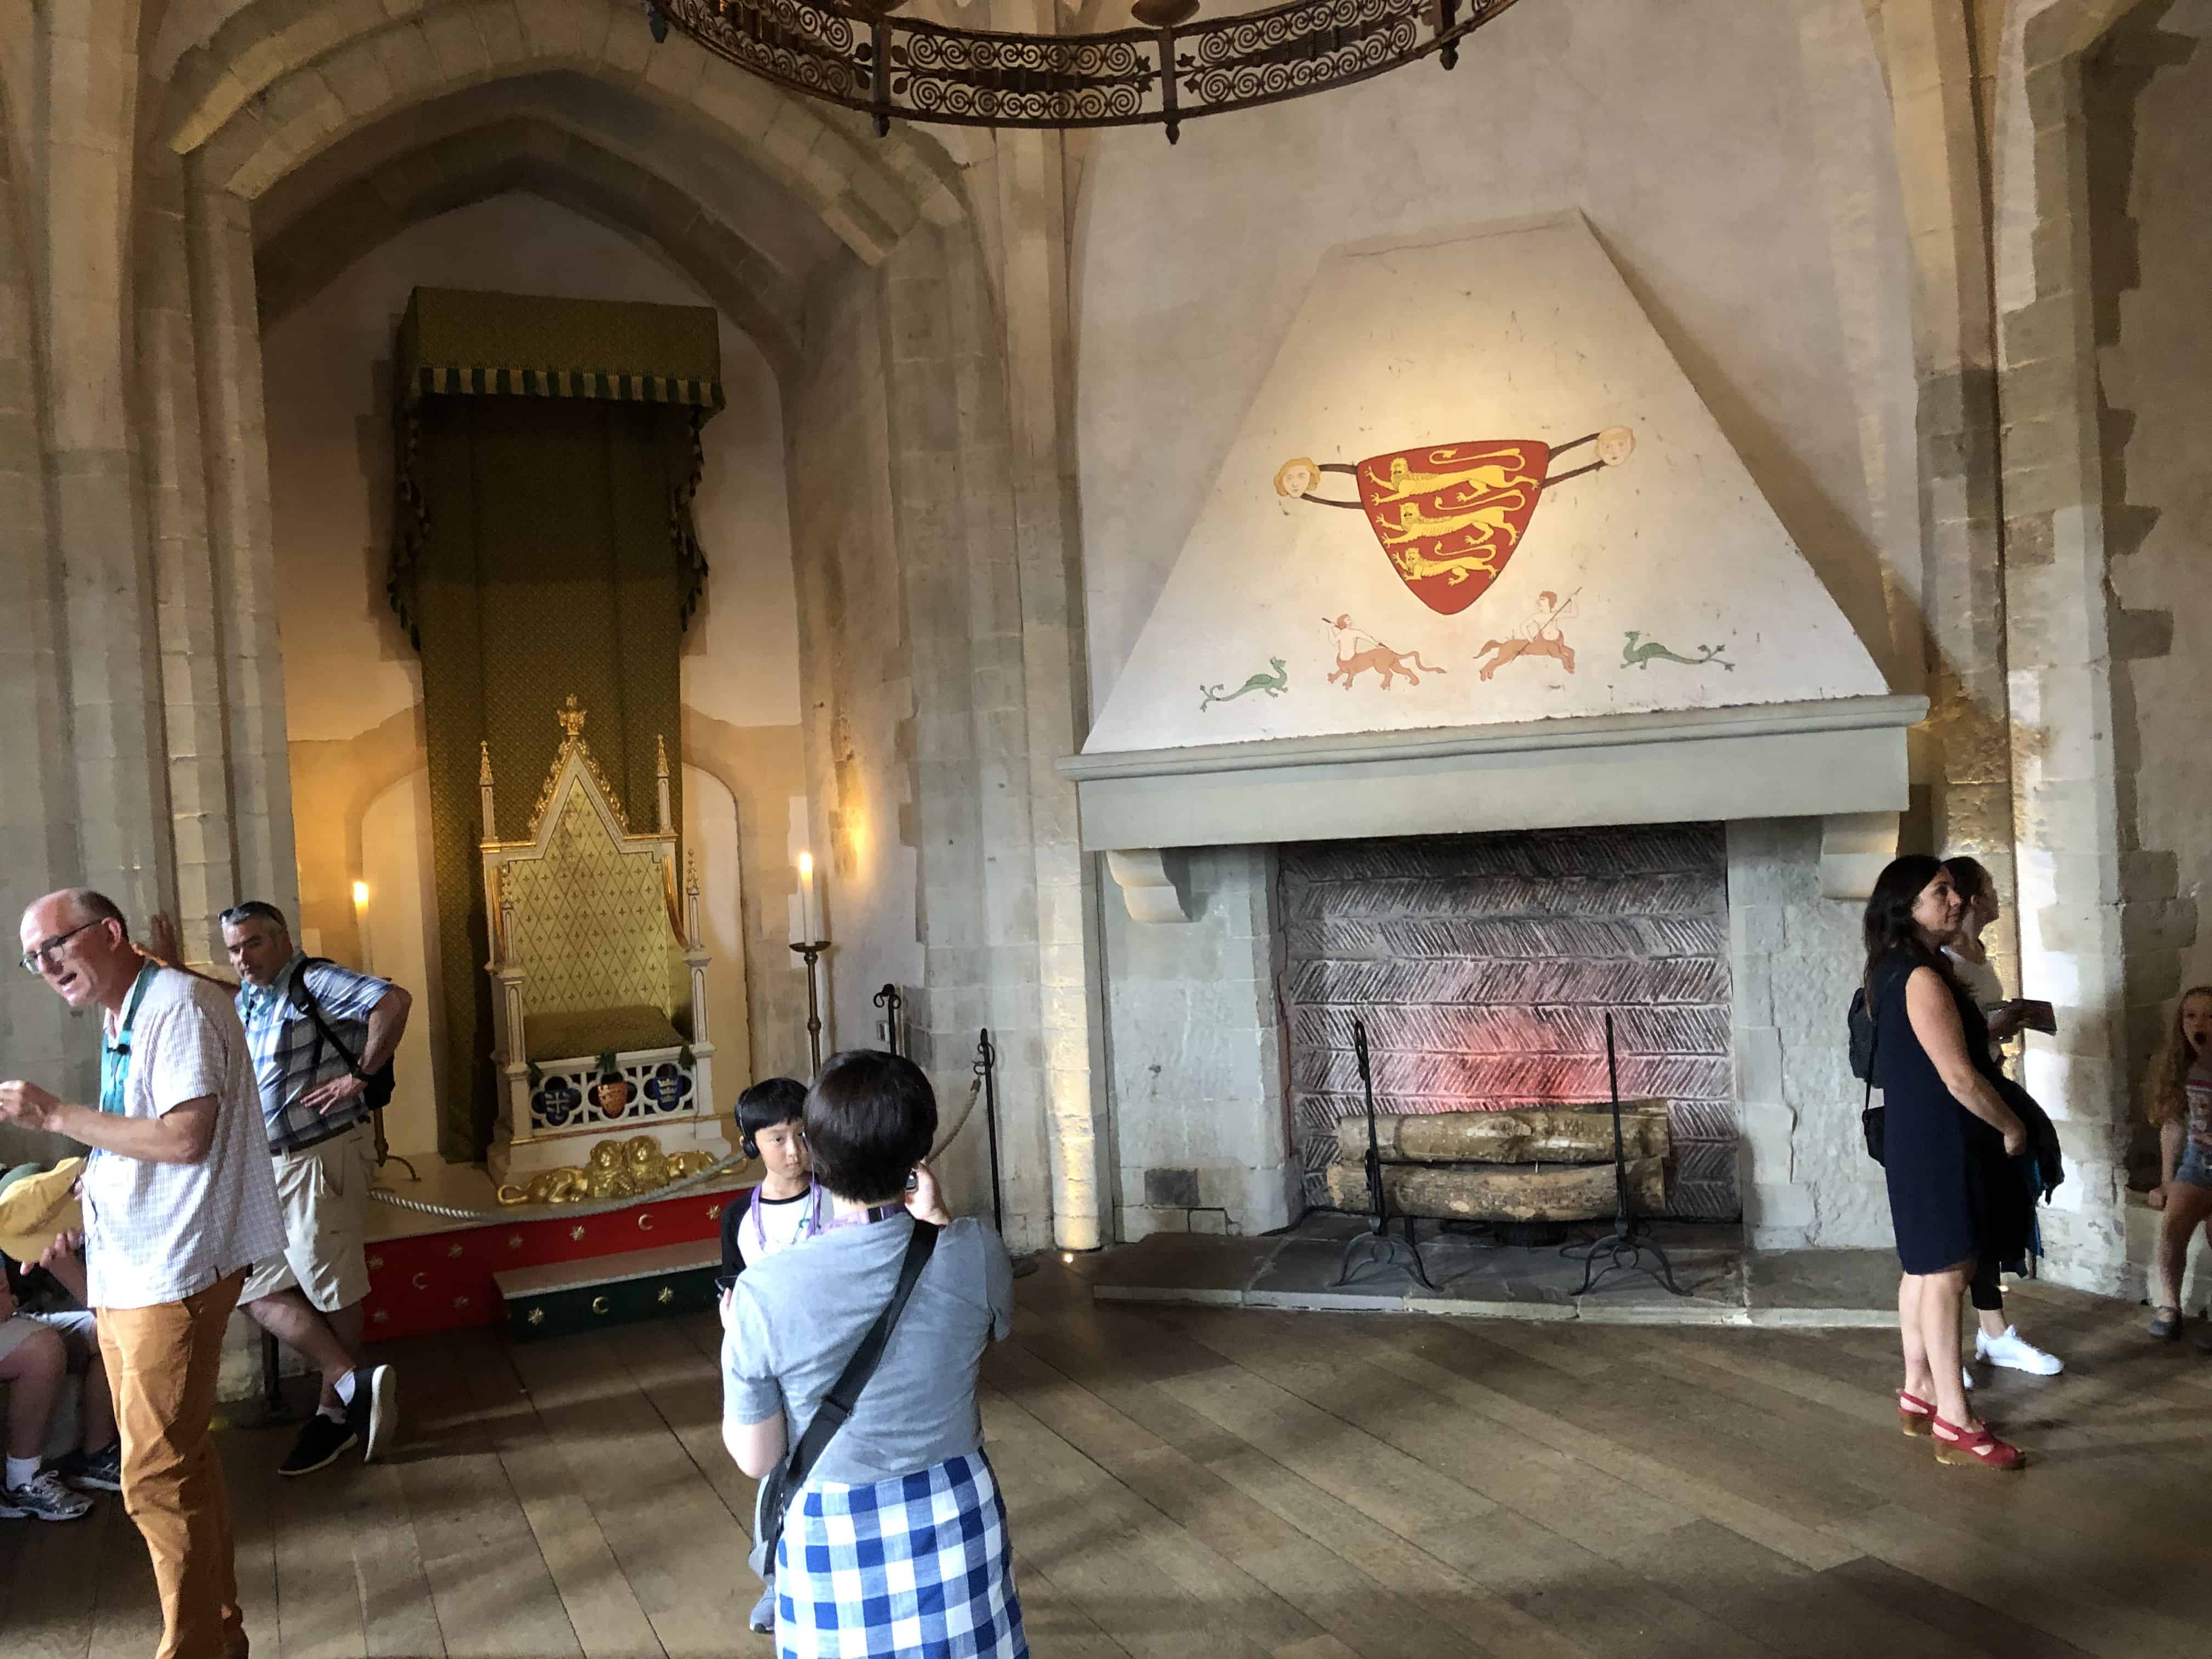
pixel 549 1212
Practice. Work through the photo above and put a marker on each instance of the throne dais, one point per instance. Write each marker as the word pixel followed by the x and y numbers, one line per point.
pixel 598 974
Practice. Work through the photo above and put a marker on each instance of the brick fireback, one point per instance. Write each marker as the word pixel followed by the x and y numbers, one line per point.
pixel 1484 966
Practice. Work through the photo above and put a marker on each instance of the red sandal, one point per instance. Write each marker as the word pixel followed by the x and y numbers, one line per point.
pixel 1979 1449
pixel 1914 1415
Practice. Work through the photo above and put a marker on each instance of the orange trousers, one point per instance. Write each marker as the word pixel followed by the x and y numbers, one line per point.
pixel 162 1367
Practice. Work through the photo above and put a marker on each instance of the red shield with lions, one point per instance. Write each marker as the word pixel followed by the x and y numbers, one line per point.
pixel 1448 516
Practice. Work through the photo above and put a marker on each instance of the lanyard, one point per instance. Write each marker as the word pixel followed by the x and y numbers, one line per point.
pixel 814 1221
pixel 115 1050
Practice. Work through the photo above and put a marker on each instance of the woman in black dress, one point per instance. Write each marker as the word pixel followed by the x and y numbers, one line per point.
pixel 1947 1136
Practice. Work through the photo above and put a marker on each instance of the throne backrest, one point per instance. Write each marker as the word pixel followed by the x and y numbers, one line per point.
pixel 592 926
pixel 586 910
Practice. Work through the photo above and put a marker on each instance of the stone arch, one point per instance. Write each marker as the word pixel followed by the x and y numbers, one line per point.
pixel 281 81
pixel 530 153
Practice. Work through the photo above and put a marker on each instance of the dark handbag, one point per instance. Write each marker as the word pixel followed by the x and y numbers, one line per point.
pixel 785 1481
pixel 1871 1122
pixel 378 1093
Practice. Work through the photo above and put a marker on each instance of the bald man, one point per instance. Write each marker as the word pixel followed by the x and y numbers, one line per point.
pixel 179 1201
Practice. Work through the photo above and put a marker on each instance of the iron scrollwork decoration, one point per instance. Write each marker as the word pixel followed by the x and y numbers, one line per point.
pixel 1169 69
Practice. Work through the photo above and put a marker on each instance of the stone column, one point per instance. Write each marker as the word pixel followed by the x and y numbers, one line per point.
pixel 227 328
pixel 37 846
pixel 185 605
pixel 87 68
pixel 1039 382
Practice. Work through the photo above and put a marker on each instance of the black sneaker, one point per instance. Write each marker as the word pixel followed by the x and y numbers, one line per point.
pixel 42 1498
pixel 319 1445
pixel 373 1415
pixel 99 1471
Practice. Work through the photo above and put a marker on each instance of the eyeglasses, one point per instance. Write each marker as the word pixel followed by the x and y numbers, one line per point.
pixel 35 960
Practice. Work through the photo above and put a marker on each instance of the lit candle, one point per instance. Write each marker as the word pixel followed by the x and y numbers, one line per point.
pixel 361 919
pixel 809 909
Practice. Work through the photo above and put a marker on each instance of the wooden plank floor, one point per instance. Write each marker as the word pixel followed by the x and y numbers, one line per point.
pixel 1230 1485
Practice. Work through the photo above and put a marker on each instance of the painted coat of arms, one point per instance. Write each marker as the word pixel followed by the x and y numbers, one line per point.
pixel 1450 516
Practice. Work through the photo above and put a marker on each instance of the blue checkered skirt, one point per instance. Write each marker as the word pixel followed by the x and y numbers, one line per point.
pixel 921 1567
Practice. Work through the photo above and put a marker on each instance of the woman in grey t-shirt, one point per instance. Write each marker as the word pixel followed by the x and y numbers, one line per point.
pixel 897 1542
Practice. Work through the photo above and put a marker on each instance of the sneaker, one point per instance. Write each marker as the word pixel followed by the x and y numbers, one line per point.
pixel 2166 1324
pixel 99 1471
pixel 2014 1354
pixel 317 1447
pixel 762 1617
pixel 373 1417
pixel 43 1497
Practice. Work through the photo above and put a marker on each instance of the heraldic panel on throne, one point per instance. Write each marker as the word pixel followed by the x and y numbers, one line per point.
pixel 598 973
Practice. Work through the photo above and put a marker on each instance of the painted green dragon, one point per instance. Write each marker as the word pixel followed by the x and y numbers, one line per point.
pixel 1633 655
pixel 1273 685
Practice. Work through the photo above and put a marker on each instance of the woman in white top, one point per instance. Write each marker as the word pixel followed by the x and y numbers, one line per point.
pixel 1996 1341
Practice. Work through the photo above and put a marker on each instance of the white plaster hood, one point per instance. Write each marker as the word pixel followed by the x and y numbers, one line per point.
pixel 1455 349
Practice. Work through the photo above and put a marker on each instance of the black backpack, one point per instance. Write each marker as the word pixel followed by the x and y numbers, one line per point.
pixel 377 1094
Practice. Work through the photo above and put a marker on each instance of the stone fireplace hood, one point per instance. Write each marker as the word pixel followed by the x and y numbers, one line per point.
pixel 1841 759
pixel 1480 558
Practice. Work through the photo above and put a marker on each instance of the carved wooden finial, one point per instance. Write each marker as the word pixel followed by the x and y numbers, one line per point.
pixel 483 761
pixel 659 755
pixel 691 871
pixel 571 716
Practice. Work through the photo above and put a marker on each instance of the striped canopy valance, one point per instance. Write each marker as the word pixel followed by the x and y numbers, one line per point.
pixel 464 342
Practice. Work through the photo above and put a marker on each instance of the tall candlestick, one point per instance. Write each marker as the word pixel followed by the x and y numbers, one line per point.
pixel 810 905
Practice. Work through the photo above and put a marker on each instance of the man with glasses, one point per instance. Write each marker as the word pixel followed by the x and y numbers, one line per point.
pixel 179 1203
pixel 318 1033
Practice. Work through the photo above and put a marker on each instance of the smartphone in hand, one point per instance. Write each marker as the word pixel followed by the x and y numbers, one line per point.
pixel 2036 1016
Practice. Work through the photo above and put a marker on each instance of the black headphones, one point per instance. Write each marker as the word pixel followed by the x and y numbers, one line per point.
pixel 748 1145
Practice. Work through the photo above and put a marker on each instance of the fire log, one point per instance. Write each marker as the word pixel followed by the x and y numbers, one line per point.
pixel 1525 1134
pixel 1501 1192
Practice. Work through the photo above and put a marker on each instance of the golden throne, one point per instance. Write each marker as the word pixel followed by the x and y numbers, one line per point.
pixel 598 974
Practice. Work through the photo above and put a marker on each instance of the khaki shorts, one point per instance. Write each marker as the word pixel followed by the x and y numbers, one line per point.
pixel 79 1332
pixel 324 1192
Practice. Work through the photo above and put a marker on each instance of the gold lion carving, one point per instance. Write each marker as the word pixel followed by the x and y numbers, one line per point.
pixel 614 1169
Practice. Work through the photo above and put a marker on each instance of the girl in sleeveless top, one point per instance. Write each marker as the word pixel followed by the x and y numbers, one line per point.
pixel 2181 1105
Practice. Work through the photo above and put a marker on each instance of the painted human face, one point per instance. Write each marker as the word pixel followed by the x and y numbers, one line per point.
pixel 1939 911
pixel 2196 1023
pixel 1615 445
pixel 783 1157
pixel 1296 478
pixel 257 948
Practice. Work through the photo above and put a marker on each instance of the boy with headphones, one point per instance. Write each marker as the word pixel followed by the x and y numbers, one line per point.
pixel 786 1209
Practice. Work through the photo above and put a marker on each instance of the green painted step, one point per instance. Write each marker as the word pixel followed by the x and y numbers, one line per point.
pixel 595 1291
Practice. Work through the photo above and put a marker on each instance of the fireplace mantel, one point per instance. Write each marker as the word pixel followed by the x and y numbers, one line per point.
pixel 1842 757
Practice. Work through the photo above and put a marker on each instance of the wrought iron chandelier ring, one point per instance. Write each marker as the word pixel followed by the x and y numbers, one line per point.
pixel 1172 67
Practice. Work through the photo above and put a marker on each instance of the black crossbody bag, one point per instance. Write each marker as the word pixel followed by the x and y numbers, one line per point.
pixel 378 1093
pixel 785 1481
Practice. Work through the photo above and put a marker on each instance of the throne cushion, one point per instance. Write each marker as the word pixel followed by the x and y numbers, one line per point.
pixel 616 1030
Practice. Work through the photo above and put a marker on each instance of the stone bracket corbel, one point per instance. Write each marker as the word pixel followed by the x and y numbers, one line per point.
pixel 1854 847
pixel 1147 888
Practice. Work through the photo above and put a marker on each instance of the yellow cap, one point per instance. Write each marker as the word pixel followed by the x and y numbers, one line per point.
pixel 35 1206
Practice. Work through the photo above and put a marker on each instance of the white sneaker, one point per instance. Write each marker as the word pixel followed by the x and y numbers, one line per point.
pixel 1967 1378
pixel 2015 1355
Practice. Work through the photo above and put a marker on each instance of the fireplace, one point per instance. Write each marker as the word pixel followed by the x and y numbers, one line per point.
pixel 1484 965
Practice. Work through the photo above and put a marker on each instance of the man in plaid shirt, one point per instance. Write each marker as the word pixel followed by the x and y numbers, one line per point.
pixel 314 1108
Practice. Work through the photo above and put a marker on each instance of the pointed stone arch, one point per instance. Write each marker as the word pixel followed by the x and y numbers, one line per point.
pixel 280 81
pixel 537 155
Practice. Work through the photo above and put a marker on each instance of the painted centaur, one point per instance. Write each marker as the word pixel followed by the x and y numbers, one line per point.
pixel 1357 653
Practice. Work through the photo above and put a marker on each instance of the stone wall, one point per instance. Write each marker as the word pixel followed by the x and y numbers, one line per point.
pixel 1193 1039
pixel 1796 958
pixel 2148 95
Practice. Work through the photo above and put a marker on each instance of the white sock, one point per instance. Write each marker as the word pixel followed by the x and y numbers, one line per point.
pixel 345 1390
pixel 22 1471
